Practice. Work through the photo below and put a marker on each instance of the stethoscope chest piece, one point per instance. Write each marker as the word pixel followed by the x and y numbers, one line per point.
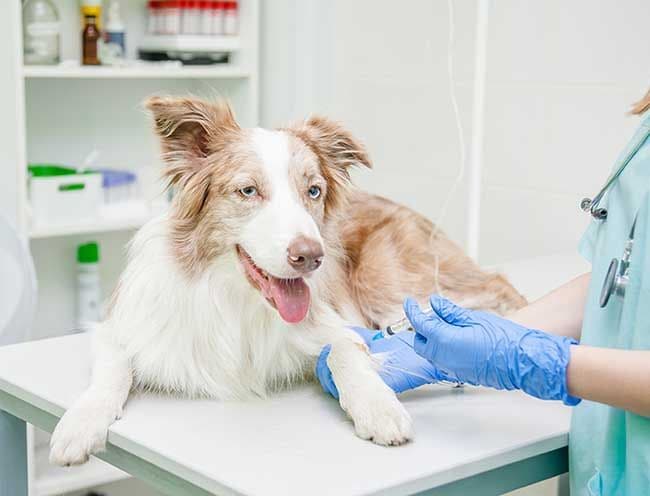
pixel 618 273
pixel 609 284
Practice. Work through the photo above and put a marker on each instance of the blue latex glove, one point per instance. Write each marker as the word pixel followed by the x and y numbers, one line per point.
pixel 402 369
pixel 483 349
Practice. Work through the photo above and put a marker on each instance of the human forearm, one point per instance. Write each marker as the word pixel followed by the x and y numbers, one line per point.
pixel 620 378
pixel 560 311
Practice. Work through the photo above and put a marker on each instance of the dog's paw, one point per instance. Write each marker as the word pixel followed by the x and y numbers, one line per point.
pixel 380 417
pixel 80 433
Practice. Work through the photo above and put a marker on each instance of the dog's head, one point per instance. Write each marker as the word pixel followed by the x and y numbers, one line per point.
pixel 266 195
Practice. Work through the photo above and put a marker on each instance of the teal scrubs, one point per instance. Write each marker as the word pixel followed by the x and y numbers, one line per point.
pixel 609 448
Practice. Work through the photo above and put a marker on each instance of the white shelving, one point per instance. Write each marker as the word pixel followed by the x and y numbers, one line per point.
pixel 91 227
pixel 58 114
pixel 52 480
pixel 190 43
pixel 217 71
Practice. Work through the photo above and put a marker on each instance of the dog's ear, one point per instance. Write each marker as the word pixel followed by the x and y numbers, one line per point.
pixel 190 130
pixel 337 150
pixel 333 143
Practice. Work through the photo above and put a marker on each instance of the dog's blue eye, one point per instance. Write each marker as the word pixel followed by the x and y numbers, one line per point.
pixel 248 191
pixel 314 192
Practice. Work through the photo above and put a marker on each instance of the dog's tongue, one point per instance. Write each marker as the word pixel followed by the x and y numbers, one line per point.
pixel 291 297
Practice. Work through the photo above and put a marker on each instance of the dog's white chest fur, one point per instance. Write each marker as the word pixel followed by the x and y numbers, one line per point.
pixel 209 336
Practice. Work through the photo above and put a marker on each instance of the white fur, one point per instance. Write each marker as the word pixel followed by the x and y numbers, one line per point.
pixel 268 234
pixel 214 335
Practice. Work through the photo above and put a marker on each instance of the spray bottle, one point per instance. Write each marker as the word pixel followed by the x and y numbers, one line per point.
pixel 114 36
pixel 89 292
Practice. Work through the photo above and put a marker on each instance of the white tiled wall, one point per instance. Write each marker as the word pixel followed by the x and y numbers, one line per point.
pixel 381 69
pixel 561 76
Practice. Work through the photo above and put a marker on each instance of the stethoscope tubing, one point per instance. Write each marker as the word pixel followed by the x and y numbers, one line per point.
pixel 591 205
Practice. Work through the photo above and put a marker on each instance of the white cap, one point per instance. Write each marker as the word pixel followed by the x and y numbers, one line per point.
pixel 114 20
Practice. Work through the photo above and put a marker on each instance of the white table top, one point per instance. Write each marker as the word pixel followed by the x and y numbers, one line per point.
pixel 298 442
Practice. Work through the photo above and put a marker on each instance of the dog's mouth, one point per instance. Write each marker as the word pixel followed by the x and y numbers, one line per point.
pixel 290 297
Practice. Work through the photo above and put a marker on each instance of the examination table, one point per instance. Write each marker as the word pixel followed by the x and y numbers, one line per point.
pixel 467 441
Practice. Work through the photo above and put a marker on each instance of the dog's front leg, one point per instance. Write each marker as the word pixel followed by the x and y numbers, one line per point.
pixel 374 408
pixel 83 428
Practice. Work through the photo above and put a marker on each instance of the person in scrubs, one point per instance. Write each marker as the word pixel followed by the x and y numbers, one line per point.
pixel 587 343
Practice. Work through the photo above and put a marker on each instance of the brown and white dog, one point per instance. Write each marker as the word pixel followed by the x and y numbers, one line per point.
pixel 266 255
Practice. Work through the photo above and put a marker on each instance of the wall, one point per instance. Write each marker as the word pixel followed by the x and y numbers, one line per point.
pixel 561 76
pixel 382 71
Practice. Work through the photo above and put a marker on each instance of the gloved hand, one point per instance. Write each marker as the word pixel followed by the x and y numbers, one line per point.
pixel 480 348
pixel 401 368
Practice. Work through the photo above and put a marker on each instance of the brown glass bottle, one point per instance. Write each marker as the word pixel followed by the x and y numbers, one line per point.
pixel 89 39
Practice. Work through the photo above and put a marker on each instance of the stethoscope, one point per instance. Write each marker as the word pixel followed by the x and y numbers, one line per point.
pixel 618 273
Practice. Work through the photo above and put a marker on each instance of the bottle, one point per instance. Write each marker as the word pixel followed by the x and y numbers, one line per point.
pixel 88 285
pixel 205 14
pixel 41 32
pixel 218 9
pixel 89 39
pixel 230 19
pixel 114 36
pixel 172 10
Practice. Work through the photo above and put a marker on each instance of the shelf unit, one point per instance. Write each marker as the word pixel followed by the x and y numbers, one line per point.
pixel 225 71
pixel 100 226
pixel 58 114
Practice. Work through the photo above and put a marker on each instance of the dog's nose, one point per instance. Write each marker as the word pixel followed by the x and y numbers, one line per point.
pixel 305 254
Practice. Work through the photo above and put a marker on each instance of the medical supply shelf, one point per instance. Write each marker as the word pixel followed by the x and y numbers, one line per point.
pixel 101 226
pixel 218 71
pixel 62 112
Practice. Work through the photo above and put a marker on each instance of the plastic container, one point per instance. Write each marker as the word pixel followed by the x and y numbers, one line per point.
pixel 41 33
pixel 89 292
pixel 119 186
pixel 62 195
pixel 171 17
pixel 217 10
pixel 115 34
pixel 231 19
pixel 191 21
pixel 153 8
pixel 205 13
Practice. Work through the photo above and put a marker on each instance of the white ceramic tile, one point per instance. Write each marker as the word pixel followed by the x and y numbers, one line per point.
pixel 406 126
pixel 577 41
pixel 410 131
pixel 555 138
pixel 402 39
pixel 518 224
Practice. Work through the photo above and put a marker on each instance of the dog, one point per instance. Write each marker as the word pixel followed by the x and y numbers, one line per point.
pixel 266 255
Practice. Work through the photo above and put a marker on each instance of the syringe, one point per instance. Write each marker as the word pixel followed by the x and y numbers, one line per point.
pixel 405 325
pixel 399 326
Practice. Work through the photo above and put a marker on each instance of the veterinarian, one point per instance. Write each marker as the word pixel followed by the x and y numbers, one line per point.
pixel 586 344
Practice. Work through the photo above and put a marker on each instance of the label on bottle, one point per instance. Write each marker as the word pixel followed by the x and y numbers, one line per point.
pixel 88 297
pixel 43 28
pixel 115 46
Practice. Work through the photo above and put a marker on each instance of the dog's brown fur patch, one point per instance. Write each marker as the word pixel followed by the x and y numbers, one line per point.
pixel 394 252
pixel 377 252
